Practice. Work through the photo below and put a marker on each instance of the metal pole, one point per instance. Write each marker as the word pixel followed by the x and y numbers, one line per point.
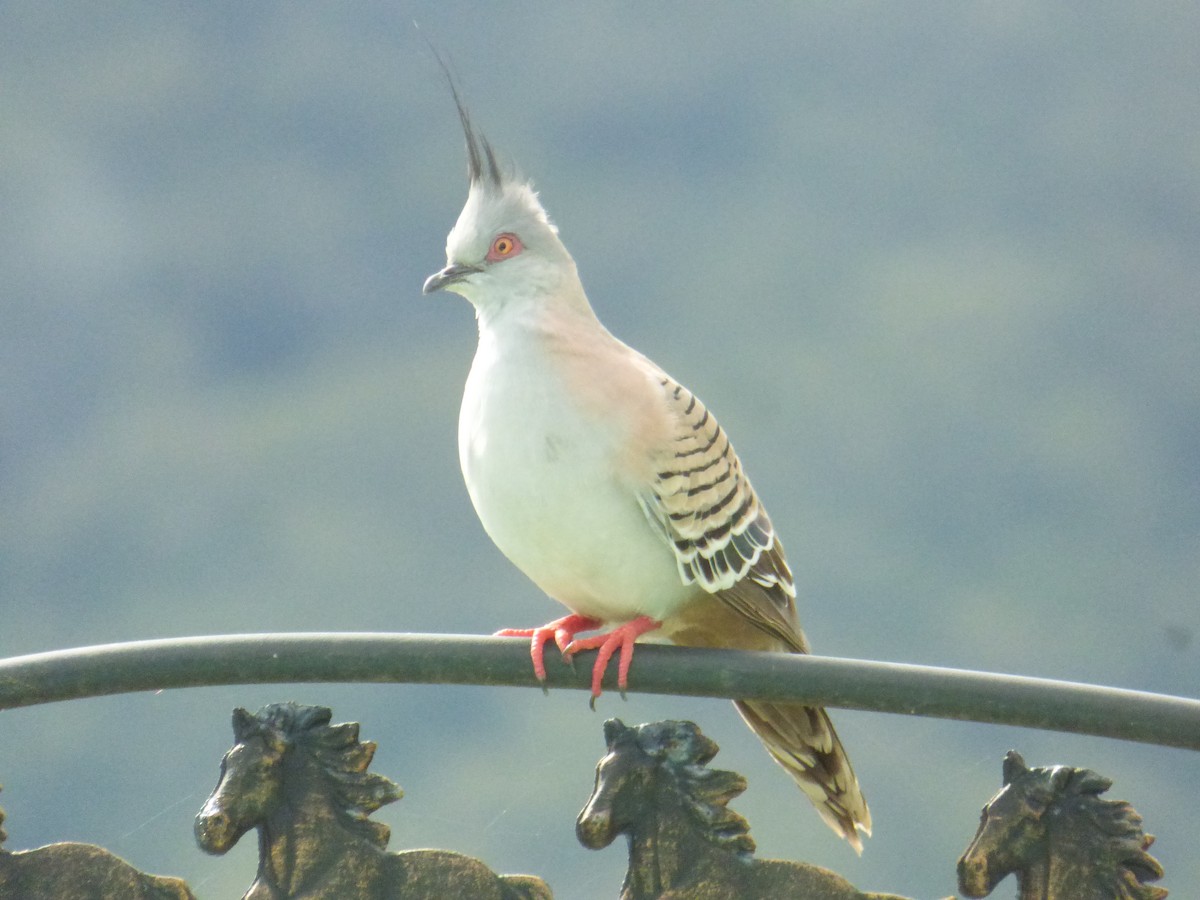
pixel 458 659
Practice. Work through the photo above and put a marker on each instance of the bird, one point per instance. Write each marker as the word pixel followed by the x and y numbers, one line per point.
pixel 611 485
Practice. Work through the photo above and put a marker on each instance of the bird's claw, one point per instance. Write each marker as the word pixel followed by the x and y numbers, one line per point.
pixel 561 631
pixel 620 639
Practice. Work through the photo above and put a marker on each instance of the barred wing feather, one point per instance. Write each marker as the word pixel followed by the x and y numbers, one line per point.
pixel 704 506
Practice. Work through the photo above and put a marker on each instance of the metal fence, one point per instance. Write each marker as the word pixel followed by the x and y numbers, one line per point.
pixel 363 658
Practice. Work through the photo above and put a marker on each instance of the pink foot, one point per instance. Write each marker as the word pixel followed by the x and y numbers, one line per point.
pixel 563 632
pixel 620 638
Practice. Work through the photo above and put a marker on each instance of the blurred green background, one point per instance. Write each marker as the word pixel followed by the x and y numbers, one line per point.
pixel 934 266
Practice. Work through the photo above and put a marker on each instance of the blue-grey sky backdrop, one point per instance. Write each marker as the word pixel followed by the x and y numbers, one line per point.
pixel 934 266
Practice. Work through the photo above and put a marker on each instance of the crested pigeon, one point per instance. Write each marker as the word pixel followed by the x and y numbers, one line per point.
pixel 609 483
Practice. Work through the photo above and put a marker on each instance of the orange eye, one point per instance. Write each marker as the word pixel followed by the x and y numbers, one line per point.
pixel 504 246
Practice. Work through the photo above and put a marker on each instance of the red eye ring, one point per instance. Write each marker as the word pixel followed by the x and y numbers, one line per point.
pixel 504 246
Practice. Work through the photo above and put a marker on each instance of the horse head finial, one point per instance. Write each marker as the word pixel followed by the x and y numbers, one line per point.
pixel 655 787
pixel 305 785
pixel 1016 835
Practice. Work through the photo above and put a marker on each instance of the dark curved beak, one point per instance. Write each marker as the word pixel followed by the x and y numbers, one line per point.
pixel 448 276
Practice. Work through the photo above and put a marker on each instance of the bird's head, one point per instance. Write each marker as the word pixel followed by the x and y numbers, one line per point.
pixel 503 246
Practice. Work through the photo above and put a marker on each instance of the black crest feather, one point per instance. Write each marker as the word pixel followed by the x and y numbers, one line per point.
pixel 482 167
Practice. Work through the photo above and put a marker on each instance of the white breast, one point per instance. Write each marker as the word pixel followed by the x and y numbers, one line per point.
pixel 548 478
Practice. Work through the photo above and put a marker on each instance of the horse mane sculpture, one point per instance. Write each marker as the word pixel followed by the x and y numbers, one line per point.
pixel 1050 827
pixel 684 841
pixel 71 871
pixel 304 784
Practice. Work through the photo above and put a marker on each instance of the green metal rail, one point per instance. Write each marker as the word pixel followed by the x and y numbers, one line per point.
pixel 457 659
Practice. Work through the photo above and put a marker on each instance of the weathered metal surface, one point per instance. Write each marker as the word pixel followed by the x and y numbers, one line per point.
pixel 71 871
pixel 303 784
pixel 1049 827
pixel 446 659
pixel 654 786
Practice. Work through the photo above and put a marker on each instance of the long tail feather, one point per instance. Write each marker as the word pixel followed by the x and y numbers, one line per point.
pixel 803 741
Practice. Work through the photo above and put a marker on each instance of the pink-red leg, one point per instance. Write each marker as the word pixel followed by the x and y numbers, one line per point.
pixel 562 631
pixel 620 638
